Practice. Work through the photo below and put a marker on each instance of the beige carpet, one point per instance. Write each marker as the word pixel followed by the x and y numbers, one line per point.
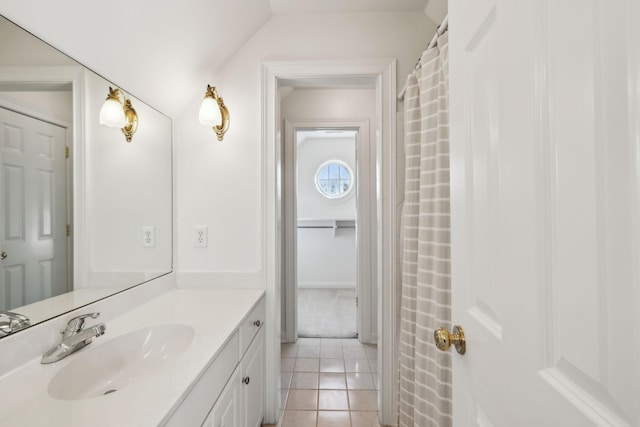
pixel 327 313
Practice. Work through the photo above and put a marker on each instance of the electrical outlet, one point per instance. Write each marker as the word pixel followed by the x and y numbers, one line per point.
pixel 202 237
pixel 148 236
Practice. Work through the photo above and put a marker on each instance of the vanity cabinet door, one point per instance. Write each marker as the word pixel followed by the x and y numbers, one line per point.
pixel 208 388
pixel 253 372
pixel 227 410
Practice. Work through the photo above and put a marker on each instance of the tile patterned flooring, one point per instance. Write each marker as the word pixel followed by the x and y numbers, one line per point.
pixel 329 382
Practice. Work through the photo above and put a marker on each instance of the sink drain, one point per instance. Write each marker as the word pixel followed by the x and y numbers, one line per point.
pixel 109 392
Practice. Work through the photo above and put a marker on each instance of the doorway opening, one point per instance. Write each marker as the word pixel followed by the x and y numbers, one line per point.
pixel 329 240
pixel 326 206
pixel 280 79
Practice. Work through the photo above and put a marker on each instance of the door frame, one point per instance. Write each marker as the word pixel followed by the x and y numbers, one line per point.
pixel 365 231
pixel 383 72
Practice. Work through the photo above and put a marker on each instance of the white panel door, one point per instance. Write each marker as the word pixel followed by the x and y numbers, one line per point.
pixel 545 149
pixel 33 210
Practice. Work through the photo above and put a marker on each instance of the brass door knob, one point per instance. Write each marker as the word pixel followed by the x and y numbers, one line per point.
pixel 3 255
pixel 444 339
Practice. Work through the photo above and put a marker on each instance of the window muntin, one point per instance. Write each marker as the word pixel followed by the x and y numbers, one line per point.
pixel 334 179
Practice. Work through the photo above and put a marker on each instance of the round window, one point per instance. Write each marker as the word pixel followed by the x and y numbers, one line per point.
pixel 334 179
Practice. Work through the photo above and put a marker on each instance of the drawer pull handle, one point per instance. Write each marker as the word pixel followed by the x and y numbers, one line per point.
pixel 257 323
pixel 245 380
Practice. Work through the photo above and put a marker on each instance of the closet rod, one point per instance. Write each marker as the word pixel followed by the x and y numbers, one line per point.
pixel 444 26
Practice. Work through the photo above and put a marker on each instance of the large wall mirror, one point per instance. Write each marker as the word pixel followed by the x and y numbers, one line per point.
pixel 84 214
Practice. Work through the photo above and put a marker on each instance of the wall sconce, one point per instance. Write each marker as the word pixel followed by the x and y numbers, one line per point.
pixel 117 114
pixel 214 113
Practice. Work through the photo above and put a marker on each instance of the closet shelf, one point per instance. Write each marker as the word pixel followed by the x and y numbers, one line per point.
pixel 333 224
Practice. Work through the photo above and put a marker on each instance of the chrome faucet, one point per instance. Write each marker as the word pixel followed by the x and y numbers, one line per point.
pixel 74 337
pixel 12 322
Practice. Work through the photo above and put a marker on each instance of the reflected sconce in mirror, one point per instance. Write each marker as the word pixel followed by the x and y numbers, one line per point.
pixel 214 113
pixel 119 114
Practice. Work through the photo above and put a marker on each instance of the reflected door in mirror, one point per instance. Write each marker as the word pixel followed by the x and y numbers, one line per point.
pixel 33 196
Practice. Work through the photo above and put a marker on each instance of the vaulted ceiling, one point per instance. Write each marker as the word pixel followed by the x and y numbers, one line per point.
pixel 161 48
pixel 344 6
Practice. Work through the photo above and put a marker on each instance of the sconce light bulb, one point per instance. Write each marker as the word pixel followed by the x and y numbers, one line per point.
pixel 112 114
pixel 209 112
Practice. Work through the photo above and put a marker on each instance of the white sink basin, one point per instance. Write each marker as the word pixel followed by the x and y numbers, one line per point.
pixel 104 368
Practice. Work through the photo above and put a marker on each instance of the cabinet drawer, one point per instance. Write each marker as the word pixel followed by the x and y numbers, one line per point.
pixel 252 324
pixel 195 407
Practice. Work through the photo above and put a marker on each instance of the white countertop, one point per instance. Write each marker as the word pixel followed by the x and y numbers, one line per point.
pixel 213 314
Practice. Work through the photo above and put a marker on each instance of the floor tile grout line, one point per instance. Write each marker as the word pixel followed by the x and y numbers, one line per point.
pixel 371 373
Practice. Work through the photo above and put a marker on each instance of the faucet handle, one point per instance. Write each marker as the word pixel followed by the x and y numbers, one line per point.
pixel 76 324
pixel 11 322
pixel 19 319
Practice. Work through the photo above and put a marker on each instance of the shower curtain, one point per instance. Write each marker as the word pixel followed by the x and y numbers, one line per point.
pixel 425 372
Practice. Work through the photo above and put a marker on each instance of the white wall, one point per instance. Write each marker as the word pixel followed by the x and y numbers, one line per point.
pixel 310 155
pixel 57 105
pixel 21 49
pixel 219 184
pixel 326 259
pixel 161 51
pixel 128 187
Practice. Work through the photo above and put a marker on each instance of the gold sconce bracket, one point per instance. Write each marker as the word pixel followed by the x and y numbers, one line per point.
pixel 114 94
pixel 222 128
pixel 128 113
pixel 131 120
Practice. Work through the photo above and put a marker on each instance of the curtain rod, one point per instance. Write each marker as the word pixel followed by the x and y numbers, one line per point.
pixel 444 26
pixel 440 31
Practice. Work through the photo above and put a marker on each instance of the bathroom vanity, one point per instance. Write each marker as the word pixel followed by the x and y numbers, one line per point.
pixel 168 356
pixel 188 357
pixel 182 357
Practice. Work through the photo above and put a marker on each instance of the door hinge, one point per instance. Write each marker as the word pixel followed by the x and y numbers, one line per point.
pixel 68 230
pixel 66 152
pixel 356 301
